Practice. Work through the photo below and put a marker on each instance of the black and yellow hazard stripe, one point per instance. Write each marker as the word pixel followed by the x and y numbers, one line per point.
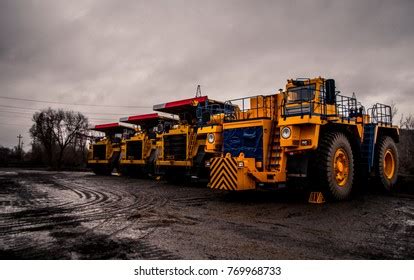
pixel 223 174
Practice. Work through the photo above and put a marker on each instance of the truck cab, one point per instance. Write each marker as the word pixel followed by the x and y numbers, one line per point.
pixel 104 151
pixel 139 151
pixel 187 146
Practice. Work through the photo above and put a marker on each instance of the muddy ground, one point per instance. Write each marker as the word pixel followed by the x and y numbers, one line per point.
pixel 78 215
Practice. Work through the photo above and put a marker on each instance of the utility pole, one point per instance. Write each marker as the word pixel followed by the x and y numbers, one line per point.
pixel 19 147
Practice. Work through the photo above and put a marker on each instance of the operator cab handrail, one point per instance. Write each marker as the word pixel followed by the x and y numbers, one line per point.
pixel 381 114
pixel 251 107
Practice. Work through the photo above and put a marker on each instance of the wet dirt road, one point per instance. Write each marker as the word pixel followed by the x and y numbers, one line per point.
pixel 77 215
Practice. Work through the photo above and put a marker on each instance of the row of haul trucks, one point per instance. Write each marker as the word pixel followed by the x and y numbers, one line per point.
pixel 308 135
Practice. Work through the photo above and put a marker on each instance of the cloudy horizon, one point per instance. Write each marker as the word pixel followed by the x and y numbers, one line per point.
pixel 141 53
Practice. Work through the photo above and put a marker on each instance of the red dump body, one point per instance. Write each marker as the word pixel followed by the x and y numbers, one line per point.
pixel 109 128
pixel 146 121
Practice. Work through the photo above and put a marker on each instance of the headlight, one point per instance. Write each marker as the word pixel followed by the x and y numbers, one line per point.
pixel 210 138
pixel 286 132
pixel 240 164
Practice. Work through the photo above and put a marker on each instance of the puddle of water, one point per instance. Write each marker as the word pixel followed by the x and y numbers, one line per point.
pixel 410 223
pixel 7 173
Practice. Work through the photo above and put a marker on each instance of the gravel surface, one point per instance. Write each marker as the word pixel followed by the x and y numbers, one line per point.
pixel 78 215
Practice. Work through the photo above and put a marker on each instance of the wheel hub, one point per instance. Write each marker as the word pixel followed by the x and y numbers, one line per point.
pixel 389 164
pixel 341 167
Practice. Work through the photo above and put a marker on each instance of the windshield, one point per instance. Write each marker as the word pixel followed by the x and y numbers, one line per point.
pixel 302 93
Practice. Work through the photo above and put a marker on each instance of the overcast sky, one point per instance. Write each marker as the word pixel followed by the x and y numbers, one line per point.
pixel 147 52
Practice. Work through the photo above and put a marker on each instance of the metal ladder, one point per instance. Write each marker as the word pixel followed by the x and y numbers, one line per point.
pixel 193 140
pixel 368 145
pixel 275 150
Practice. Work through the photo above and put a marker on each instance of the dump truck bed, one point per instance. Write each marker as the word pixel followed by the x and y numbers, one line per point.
pixel 145 120
pixel 109 128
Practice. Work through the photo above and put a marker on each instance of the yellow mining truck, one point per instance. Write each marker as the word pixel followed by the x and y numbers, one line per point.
pixel 187 146
pixel 103 152
pixel 139 151
pixel 310 135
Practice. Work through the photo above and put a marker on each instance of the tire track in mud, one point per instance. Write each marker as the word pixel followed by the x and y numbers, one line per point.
pixel 394 237
pixel 74 213
pixel 90 205
pixel 53 215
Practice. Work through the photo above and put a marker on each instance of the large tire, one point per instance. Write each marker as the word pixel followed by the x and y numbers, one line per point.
pixel 335 165
pixel 104 170
pixel 124 170
pixel 386 162
pixel 175 176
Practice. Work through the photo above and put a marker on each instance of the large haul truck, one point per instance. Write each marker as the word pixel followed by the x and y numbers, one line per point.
pixel 308 134
pixel 139 151
pixel 186 147
pixel 103 153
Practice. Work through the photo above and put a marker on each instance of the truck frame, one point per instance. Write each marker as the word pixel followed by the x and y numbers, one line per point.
pixel 139 151
pixel 187 145
pixel 103 153
pixel 308 135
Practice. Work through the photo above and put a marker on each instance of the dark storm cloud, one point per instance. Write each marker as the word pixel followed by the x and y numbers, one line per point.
pixel 146 52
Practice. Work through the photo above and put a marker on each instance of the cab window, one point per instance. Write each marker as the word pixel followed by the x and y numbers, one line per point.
pixel 302 93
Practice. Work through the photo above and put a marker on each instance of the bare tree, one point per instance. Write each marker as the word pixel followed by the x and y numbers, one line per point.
pixel 58 128
pixel 68 126
pixel 42 131
pixel 407 122
pixel 394 109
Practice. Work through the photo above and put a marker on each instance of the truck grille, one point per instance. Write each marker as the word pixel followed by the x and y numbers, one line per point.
pixel 175 147
pixel 134 150
pixel 99 151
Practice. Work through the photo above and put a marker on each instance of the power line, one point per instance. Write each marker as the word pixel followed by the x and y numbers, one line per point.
pixel 93 119
pixel 99 114
pixel 13 124
pixel 89 113
pixel 11 112
pixel 73 104
pixel 16 107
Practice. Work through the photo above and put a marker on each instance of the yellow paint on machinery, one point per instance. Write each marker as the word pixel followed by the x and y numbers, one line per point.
pixel 104 152
pixel 146 146
pixel 110 149
pixel 195 139
pixel 194 142
pixel 276 137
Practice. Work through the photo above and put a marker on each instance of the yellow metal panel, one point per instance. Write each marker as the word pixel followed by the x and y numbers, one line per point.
pixel 215 147
pixel 226 175
pixel 210 129
pixel 245 123
pixel 135 162
pixel 301 120
pixel 300 133
pixel 96 161
pixel 294 138
pixel 174 163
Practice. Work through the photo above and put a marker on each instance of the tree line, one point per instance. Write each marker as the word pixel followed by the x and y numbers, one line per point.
pixel 59 141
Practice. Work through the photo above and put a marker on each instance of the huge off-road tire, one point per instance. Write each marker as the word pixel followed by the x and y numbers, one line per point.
pixel 386 162
pixel 104 170
pixel 335 165
pixel 125 170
